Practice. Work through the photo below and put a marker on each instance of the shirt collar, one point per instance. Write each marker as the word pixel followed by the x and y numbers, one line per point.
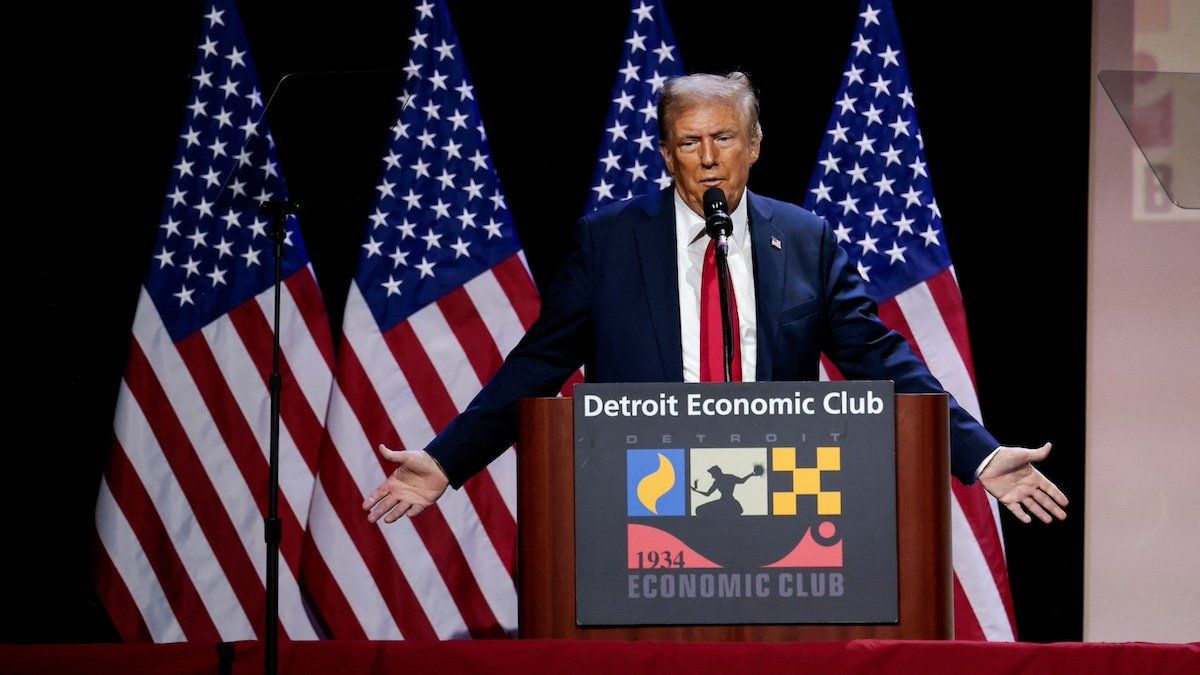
pixel 688 223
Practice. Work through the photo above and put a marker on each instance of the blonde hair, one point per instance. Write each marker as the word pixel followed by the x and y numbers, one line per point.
pixel 734 89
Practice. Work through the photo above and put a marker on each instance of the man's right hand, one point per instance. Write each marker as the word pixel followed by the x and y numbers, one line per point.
pixel 416 484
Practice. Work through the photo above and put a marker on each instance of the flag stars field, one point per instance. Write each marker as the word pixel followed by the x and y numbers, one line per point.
pixel 629 163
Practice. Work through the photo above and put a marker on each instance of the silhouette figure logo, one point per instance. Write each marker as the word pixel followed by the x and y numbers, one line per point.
pixel 728 482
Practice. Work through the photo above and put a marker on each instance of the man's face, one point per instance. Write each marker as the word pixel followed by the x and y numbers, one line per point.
pixel 709 147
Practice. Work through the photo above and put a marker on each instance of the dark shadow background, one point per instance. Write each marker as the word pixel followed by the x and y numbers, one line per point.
pixel 1003 100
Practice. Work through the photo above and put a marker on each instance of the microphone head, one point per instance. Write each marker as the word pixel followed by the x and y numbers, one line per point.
pixel 714 201
pixel 716 219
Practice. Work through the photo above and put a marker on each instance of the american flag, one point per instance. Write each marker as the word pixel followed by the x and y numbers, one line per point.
pixel 629 163
pixel 179 519
pixel 872 182
pixel 442 294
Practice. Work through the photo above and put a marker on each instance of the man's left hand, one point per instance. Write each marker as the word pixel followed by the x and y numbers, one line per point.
pixel 1012 480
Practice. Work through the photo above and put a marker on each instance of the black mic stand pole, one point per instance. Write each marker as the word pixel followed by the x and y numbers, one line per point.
pixel 273 529
pixel 722 255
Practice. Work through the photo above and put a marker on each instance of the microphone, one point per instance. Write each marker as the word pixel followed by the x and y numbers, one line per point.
pixel 717 222
pixel 719 226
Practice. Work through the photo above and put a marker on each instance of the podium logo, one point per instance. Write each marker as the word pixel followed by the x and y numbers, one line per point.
pixel 654 482
pixel 807 481
pixel 728 482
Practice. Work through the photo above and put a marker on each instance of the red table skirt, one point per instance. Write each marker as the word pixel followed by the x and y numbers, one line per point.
pixel 623 658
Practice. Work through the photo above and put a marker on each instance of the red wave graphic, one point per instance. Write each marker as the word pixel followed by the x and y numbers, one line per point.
pixel 645 539
pixel 808 553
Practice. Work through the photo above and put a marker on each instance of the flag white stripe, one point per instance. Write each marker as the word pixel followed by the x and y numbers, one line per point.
pixel 948 366
pixel 525 263
pixel 450 361
pixel 477 547
pixel 992 503
pixel 506 329
pixel 445 354
pixel 349 570
pixel 504 473
pixel 300 349
pixel 995 507
pixel 253 398
pixel 937 346
pixel 976 579
pixel 148 461
pixel 496 311
pixel 418 566
pixel 125 551
pixel 384 375
pixel 223 474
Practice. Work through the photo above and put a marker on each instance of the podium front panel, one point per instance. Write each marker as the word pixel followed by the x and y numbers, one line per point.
pixel 741 503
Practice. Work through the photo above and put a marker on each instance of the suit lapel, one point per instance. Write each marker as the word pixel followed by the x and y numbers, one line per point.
pixel 770 263
pixel 654 240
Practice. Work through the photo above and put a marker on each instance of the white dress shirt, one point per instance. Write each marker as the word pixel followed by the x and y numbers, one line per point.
pixel 690 264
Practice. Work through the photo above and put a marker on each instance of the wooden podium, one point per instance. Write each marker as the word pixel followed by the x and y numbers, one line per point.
pixel 546 526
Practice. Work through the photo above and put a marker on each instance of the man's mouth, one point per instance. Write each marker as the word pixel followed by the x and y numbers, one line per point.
pixel 712 182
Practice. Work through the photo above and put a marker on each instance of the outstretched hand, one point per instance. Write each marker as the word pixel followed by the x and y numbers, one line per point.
pixel 1014 482
pixel 415 485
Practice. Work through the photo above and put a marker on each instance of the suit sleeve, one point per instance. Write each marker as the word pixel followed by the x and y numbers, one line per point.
pixel 552 349
pixel 863 347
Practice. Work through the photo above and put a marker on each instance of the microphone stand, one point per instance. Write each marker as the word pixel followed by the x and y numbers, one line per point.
pixel 272 526
pixel 727 337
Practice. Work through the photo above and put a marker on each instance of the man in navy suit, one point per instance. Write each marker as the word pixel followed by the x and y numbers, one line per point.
pixel 633 303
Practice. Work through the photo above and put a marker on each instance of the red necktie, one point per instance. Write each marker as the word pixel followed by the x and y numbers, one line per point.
pixel 712 354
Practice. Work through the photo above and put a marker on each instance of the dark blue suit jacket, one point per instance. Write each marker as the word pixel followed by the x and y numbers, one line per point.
pixel 614 308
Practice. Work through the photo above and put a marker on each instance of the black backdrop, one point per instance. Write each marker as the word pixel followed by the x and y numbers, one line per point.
pixel 1003 99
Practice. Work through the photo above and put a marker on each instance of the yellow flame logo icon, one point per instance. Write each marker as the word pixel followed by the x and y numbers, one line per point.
pixel 657 484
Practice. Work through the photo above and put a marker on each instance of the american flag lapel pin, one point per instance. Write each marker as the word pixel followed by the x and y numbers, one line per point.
pixel 775 243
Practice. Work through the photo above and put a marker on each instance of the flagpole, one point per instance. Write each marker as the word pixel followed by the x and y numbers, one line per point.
pixel 273 529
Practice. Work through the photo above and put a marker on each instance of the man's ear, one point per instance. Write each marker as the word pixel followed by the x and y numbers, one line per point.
pixel 755 150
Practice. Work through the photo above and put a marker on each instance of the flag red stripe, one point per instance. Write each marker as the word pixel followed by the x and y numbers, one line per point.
pixel 831 370
pixel 393 586
pixel 112 591
pixel 206 505
pixel 435 532
pixel 423 378
pixel 966 625
pixel 464 320
pixel 295 413
pixel 949 303
pixel 435 401
pixel 466 324
pixel 497 520
pixel 972 499
pixel 568 388
pixel 139 510
pixel 518 286
pixel 325 598
pixel 307 296
pixel 431 525
pixel 238 437
pixel 974 503
pixel 891 314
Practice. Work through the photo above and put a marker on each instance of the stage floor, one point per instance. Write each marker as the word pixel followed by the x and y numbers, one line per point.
pixel 626 658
